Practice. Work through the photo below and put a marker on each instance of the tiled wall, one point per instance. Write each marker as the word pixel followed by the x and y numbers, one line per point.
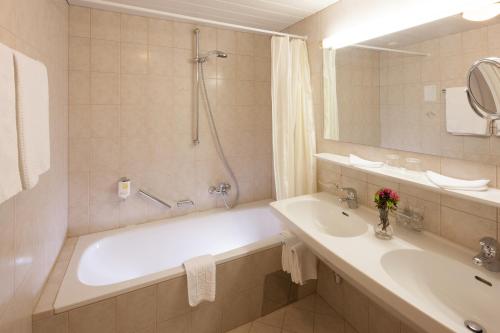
pixel 242 293
pixel 131 98
pixel 362 315
pixel 33 223
pixel 461 221
pixel 358 85
pixel 416 125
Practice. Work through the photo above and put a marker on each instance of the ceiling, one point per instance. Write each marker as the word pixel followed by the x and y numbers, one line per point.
pixel 264 14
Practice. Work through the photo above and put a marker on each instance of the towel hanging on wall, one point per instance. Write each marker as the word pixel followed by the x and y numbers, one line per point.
pixel 32 108
pixel 460 118
pixel 9 158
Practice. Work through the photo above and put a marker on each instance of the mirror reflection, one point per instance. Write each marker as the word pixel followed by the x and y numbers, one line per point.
pixel 391 92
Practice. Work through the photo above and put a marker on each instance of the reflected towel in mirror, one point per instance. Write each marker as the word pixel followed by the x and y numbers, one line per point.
pixel 450 183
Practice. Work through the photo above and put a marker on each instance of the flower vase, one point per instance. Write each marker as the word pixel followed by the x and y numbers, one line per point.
pixel 383 230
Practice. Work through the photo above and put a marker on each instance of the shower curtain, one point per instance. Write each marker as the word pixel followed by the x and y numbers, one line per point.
pixel 294 138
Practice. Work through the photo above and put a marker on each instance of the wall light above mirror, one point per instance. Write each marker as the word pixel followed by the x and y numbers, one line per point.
pixel 391 91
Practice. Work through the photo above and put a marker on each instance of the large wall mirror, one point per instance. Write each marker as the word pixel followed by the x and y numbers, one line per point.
pixel 408 90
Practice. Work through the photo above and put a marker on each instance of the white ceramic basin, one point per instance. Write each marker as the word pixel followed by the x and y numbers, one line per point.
pixel 328 218
pixel 425 278
pixel 448 285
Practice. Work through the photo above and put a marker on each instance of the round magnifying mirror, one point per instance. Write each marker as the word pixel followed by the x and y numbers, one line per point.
pixel 483 88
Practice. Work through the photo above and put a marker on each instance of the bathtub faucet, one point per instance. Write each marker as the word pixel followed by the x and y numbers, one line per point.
pixel 222 190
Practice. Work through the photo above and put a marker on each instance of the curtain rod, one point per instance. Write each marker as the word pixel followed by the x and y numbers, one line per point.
pixel 129 9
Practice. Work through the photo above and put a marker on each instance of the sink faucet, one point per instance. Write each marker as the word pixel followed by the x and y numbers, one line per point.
pixel 351 197
pixel 489 257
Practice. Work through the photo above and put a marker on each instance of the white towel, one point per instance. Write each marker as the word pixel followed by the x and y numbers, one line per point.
pixel 298 260
pixel 450 183
pixel 358 161
pixel 9 158
pixel 32 103
pixel 460 117
pixel 200 273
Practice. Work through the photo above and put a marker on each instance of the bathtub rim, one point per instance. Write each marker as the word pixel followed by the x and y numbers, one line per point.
pixel 70 297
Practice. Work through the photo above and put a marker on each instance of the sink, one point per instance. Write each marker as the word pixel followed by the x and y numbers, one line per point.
pixel 459 290
pixel 329 218
pixel 425 278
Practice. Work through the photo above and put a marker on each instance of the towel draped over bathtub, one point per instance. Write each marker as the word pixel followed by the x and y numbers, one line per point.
pixel 200 273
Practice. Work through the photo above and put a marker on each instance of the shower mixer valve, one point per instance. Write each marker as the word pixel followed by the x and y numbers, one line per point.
pixel 221 189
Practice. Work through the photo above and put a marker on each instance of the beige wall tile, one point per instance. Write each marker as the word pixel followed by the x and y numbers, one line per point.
pixel 172 299
pixel 134 58
pixel 226 40
pixel 53 324
pixel 470 207
pixel 140 93
pixel 468 170
pixel 465 229
pixel 244 43
pixel 136 310
pixel 79 21
pixel 161 60
pixel 105 25
pixel 105 56
pixel 134 29
pixel 104 88
pixel 79 53
pixel 241 308
pixel 79 87
pixel 105 121
pixel 181 324
pixel 97 317
pixel 206 318
pixel 356 308
pixel 183 35
pixel 160 32
pixel 382 321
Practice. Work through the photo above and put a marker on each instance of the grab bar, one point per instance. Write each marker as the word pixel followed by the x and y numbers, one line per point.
pixel 155 199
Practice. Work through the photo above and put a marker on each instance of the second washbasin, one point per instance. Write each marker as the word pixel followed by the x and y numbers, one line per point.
pixel 461 291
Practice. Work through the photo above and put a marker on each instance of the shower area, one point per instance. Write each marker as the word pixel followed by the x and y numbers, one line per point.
pixel 182 110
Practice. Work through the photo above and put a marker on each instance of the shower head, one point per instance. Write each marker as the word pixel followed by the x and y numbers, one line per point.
pixel 217 53
pixel 204 57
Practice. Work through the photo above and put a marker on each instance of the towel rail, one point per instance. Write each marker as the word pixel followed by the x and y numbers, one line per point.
pixel 154 198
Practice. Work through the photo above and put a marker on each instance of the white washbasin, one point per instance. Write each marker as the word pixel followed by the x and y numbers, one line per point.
pixel 448 285
pixel 425 278
pixel 328 218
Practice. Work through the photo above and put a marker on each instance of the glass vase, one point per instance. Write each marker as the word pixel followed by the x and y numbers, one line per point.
pixel 383 229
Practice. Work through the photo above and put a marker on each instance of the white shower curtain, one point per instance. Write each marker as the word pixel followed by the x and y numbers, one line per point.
pixel 294 138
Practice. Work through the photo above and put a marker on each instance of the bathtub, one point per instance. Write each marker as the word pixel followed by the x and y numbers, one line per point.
pixel 111 263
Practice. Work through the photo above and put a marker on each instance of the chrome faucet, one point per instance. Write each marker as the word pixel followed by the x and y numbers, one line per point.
pixel 489 257
pixel 222 190
pixel 351 197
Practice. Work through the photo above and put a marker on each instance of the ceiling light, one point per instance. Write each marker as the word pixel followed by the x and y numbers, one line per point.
pixel 482 13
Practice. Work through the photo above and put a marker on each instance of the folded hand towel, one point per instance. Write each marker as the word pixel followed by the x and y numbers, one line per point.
pixel 32 103
pixel 200 273
pixel 297 259
pixel 9 158
pixel 358 161
pixel 460 117
pixel 457 184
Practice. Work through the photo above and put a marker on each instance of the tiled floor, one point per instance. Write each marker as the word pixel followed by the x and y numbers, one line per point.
pixel 309 315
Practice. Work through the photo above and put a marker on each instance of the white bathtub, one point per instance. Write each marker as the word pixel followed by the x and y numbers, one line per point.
pixel 109 263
